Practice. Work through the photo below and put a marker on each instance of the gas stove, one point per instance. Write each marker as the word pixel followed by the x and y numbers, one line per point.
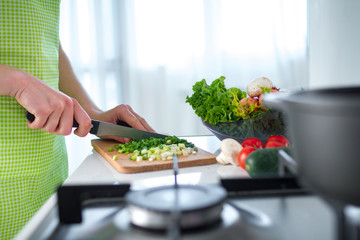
pixel 94 204
pixel 273 208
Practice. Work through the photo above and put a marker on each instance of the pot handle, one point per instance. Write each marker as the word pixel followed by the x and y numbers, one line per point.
pixel 285 160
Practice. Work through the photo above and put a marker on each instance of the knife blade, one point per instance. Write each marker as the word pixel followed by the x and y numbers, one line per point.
pixel 100 128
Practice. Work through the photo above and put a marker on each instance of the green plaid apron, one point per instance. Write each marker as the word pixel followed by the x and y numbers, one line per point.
pixel 32 162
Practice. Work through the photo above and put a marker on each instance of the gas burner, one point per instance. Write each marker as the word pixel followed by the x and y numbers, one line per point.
pixel 246 223
pixel 236 222
pixel 229 216
pixel 190 206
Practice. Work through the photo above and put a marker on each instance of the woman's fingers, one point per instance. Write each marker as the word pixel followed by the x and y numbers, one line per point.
pixel 59 119
pixel 128 115
pixel 65 122
pixel 83 119
pixel 116 138
pixel 39 121
pixel 141 120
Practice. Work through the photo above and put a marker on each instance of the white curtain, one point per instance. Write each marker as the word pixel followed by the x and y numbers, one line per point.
pixel 149 53
pixel 334 37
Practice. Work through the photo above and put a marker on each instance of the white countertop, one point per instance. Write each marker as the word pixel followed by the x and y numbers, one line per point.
pixel 96 170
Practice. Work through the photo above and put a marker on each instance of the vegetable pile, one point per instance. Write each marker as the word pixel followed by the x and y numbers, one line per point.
pixel 215 103
pixel 155 148
pixel 252 155
pixel 235 113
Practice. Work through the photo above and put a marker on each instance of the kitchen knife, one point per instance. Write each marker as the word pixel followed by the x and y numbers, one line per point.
pixel 100 128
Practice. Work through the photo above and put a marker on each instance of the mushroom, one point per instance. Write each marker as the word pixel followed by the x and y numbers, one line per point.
pixel 230 148
pixel 222 159
pixel 254 88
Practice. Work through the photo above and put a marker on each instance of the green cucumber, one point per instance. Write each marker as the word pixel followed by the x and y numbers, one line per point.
pixel 264 162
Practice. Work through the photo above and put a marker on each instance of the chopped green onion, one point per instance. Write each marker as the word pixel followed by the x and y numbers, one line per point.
pixel 156 148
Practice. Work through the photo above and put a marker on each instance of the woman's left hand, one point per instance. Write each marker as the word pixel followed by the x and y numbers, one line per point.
pixel 126 114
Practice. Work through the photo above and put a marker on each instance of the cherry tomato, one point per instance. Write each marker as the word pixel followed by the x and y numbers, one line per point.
pixel 243 154
pixel 254 142
pixel 277 141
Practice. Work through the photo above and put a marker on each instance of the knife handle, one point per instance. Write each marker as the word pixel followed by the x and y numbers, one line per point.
pixel 30 116
pixel 94 123
pixel 94 126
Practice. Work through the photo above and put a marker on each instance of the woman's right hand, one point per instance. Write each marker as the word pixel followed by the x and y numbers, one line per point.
pixel 53 110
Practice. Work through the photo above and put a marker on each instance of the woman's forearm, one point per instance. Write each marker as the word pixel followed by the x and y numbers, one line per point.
pixel 10 80
pixel 69 84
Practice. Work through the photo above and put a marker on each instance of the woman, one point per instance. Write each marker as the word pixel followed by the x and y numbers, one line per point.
pixel 35 75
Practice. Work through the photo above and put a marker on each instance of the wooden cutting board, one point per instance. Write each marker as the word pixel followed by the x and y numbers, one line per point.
pixel 125 165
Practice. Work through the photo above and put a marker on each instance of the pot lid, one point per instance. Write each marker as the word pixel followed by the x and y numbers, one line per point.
pixel 334 101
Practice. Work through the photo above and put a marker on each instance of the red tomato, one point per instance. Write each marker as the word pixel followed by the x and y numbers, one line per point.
pixel 277 141
pixel 243 154
pixel 274 145
pixel 253 142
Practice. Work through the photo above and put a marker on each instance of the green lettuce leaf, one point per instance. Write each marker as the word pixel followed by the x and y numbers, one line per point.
pixel 214 103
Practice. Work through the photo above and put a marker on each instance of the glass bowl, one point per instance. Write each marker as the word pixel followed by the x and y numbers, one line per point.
pixel 269 123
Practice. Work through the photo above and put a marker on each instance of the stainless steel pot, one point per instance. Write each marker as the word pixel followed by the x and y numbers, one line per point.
pixel 324 128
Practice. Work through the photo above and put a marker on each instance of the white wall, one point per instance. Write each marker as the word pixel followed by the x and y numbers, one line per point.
pixel 334 43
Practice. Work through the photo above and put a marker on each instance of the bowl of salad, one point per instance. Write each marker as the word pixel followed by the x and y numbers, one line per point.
pixel 237 114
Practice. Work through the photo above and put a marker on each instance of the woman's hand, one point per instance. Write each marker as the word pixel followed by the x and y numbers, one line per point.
pixel 126 114
pixel 54 111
